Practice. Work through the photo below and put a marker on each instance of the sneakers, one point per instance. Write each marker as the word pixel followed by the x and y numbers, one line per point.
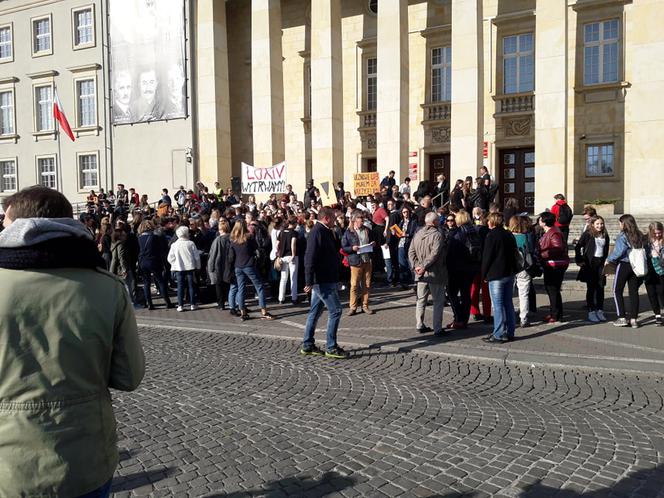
pixel 336 353
pixel 633 323
pixel 525 324
pixel 593 317
pixel 658 320
pixel 621 322
pixel 311 350
pixel 601 315
pixel 193 307
pixel 180 308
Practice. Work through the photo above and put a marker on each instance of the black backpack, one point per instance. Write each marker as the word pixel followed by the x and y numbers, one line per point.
pixel 565 214
pixel 473 243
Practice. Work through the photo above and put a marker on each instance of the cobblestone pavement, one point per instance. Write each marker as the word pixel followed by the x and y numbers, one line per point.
pixel 222 415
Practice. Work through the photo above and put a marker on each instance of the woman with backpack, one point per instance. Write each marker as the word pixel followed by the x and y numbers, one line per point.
pixel 555 260
pixel 520 226
pixel 630 240
pixel 590 254
pixel 655 277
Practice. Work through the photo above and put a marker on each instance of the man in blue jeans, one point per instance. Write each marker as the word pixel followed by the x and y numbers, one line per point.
pixel 321 276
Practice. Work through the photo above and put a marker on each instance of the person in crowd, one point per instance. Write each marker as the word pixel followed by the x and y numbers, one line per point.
pixel 184 259
pixel 104 241
pixel 590 254
pixel 244 248
pixel 520 226
pixel 121 264
pixel 655 278
pixel 407 228
pixel 69 334
pixel 153 251
pixel 218 268
pixel 456 196
pixel 404 188
pixel 122 195
pixel 287 253
pixel 564 214
pixel 589 213
pixel 479 287
pixel 630 238
pixel 388 181
pixel 354 242
pixel 321 277
pixel 498 269
pixel 511 209
pixel 427 255
pixel 462 265
pixel 422 209
pixel 441 191
pixel 555 260
pixel 392 243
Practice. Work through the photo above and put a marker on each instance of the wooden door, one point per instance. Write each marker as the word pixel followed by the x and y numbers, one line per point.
pixel 517 177
pixel 439 163
pixel 372 165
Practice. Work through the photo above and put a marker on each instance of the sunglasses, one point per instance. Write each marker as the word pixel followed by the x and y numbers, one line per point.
pixel 450 221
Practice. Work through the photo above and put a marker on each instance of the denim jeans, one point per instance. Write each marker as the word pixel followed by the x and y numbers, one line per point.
pixel 392 266
pixel 161 285
pixel 405 272
pixel 232 297
pixel 101 492
pixel 501 292
pixel 189 277
pixel 323 296
pixel 251 273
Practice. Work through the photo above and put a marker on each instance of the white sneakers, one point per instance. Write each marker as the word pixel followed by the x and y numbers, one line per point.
pixel 596 316
pixel 193 307
pixel 601 316
pixel 180 308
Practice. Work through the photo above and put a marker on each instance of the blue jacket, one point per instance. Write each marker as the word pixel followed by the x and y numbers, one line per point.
pixel 153 250
pixel 351 239
pixel 621 250
pixel 322 258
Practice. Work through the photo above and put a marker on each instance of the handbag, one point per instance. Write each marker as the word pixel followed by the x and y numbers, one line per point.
pixel 582 276
pixel 277 264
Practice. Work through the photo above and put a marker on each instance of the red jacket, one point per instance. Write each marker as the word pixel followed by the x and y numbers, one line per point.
pixel 553 249
pixel 555 209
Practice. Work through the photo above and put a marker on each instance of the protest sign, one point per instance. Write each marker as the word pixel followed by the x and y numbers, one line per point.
pixel 270 180
pixel 328 195
pixel 366 183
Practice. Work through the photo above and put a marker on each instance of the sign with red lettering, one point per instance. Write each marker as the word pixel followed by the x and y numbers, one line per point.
pixel 270 180
pixel 412 172
pixel 485 149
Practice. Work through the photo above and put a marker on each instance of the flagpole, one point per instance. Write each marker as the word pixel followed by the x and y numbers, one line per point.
pixel 58 165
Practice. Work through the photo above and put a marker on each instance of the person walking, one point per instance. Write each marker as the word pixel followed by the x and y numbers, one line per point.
pixel 244 247
pixel 184 259
pixel 520 226
pixel 498 269
pixel 218 269
pixel 590 254
pixel 555 260
pixel 152 253
pixel 69 335
pixel 321 277
pixel 287 252
pixel 630 238
pixel 655 277
pixel 427 255
pixel 354 241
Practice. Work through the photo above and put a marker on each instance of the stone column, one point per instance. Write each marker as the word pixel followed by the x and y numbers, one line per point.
pixel 326 91
pixel 550 103
pixel 267 85
pixel 212 94
pixel 392 112
pixel 467 133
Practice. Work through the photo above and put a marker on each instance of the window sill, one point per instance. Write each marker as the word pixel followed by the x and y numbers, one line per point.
pixel 83 46
pixel 42 135
pixel 9 138
pixel 6 60
pixel 87 130
pixel 43 53
pixel 602 86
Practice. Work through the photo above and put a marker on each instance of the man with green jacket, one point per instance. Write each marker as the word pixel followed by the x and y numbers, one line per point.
pixel 68 334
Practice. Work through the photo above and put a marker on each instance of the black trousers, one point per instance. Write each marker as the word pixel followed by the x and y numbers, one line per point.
pixel 221 289
pixel 565 232
pixel 655 289
pixel 553 281
pixel 458 291
pixel 595 285
pixel 625 276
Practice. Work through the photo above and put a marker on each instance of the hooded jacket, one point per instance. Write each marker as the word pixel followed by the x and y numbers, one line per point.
pixel 69 333
pixel 428 250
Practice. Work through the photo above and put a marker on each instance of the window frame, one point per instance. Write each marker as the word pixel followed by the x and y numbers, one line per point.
pixel 33 38
pixel 3 176
pixel 600 156
pixel 367 78
pixel 12 91
pixel 10 57
pixel 601 43
pixel 35 105
pixel 446 67
pixel 54 173
pixel 77 102
pixel 75 27
pixel 79 171
pixel 518 55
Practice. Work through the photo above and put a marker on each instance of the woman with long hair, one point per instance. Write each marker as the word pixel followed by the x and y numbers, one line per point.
pixel 655 277
pixel 590 254
pixel 520 226
pixel 244 247
pixel 287 252
pixel 462 265
pixel 218 267
pixel 152 253
pixel 630 238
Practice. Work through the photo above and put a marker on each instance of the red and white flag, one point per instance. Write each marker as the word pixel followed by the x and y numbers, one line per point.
pixel 59 114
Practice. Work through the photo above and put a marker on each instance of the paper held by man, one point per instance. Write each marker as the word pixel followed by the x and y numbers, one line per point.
pixel 365 249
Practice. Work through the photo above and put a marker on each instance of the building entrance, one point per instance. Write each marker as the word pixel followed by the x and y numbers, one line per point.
pixel 517 177
pixel 439 163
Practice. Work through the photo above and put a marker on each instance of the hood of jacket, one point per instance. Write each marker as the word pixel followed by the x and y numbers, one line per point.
pixel 26 232
pixel 560 202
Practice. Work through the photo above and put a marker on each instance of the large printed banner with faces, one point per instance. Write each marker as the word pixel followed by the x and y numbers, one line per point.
pixel 147 60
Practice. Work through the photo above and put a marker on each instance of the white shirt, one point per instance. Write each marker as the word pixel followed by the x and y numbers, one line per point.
pixel 600 242
pixel 183 256
pixel 404 188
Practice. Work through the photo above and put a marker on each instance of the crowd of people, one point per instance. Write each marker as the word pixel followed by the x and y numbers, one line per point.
pixel 455 245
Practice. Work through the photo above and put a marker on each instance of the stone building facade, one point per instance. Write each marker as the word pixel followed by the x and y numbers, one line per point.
pixel 553 96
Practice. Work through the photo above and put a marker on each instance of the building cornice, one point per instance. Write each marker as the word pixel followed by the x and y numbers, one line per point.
pixel 85 67
pixel 8 79
pixel 27 5
pixel 433 31
pixel 43 74
pixel 367 42
pixel 513 16
pixel 592 4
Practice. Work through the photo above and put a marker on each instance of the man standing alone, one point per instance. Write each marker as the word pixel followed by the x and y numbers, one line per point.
pixel 321 277
pixel 427 255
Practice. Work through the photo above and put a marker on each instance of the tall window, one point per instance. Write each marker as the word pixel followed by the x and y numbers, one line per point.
pixel 372 83
pixel 599 160
pixel 41 35
pixel 88 171
pixel 83 27
pixel 518 63
pixel 44 108
pixel 6 113
pixel 601 41
pixel 441 74
pixel 6 48
pixel 46 169
pixel 87 102
pixel 8 172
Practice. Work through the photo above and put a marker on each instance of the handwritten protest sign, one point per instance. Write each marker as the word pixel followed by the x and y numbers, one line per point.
pixel 366 183
pixel 270 180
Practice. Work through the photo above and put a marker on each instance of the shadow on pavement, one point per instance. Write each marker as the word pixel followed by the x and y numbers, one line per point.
pixel 138 479
pixel 328 483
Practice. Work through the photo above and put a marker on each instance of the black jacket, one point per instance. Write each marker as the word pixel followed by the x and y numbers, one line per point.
pixel 321 259
pixel 499 255
pixel 585 248
pixel 153 250
pixel 445 191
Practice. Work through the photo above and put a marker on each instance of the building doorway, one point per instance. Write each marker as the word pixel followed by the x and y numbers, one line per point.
pixel 439 164
pixel 371 164
pixel 517 177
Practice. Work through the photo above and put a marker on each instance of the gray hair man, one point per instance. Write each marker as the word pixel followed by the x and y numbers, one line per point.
pixel 427 256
